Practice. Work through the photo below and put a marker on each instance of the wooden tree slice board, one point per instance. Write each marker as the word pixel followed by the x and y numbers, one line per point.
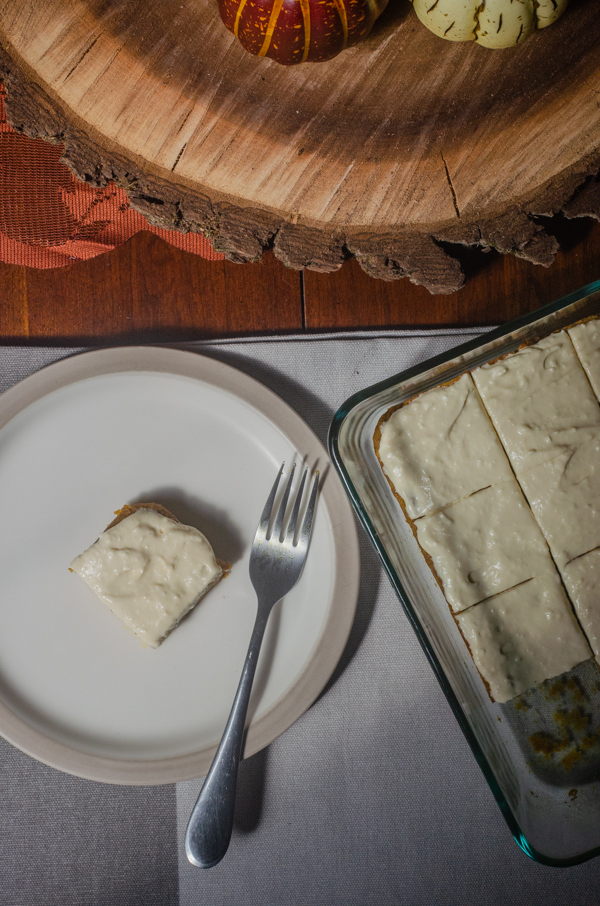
pixel 390 151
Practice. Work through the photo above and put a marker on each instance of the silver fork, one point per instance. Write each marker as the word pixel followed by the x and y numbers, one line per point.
pixel 276 561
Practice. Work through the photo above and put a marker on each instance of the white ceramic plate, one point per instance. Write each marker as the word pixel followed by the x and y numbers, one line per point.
pixel 78 440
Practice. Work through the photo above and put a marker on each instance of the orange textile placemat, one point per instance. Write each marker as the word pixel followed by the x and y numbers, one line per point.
pixel 50 219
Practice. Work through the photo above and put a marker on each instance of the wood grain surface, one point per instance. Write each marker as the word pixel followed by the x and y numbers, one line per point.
pixel 399 144
pixel 499 288
pixel 148 291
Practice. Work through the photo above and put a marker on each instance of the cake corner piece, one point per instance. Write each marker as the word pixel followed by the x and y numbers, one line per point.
pixel 150 570
pixel 523 636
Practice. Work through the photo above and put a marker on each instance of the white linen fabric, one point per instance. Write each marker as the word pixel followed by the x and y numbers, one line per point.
pixel 372 797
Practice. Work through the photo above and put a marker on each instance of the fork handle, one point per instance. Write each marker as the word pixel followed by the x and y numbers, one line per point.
pixel 211 822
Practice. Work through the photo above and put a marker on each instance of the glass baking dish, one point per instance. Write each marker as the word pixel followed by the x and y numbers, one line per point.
pixel 540 752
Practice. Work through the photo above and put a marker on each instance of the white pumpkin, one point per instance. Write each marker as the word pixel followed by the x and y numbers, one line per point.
pixel 493 23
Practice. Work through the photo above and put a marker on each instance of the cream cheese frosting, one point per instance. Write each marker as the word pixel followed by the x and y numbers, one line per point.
pixel 441 447
pixel 523 636
pixel 586 340
pixel 484 544
pixel 150 571
pixel 582 580
pixel 489 547
pixel 539 400
pixel 564 494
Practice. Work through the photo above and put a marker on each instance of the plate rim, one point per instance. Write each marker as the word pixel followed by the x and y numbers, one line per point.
pixel 316 672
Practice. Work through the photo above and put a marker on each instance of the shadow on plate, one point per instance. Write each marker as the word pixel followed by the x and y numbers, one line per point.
pixel 370 578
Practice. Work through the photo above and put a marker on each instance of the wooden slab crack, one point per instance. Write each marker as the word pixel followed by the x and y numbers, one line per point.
pixel 391 153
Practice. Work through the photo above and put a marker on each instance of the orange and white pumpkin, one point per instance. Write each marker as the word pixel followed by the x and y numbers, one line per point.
pixel 297 31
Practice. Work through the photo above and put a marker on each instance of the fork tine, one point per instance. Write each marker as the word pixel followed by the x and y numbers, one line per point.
pixel 291 532
pixel 308 516
pixel 278 524
pixel 263 525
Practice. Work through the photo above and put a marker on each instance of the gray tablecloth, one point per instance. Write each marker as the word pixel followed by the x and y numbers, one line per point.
pixel 372 797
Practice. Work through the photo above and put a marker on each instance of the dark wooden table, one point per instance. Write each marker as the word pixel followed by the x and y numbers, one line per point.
pixel 148 291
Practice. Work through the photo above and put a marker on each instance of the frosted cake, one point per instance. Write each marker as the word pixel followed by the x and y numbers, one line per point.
pixel 498 474
pixel 150 570
pixel 523 636
pixel 483 544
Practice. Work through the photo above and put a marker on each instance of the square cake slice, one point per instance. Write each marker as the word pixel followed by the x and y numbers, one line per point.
pixel 586 340
pixel 539 400
pixel 582 579
pixel 440 447
pixel 150 570
pixel 564 494
pixel 484 544
pixel 523 636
